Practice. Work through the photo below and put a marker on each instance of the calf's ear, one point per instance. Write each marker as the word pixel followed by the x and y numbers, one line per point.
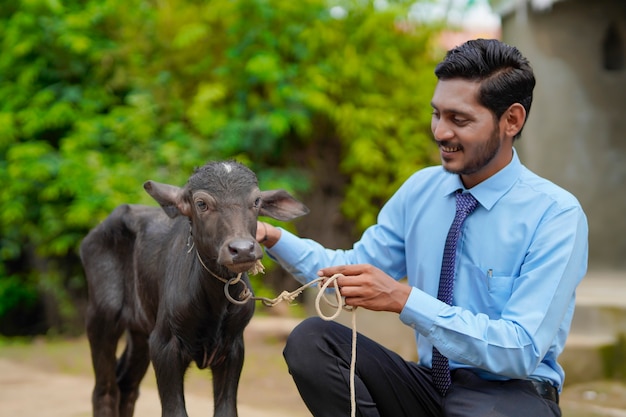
pixel 169 198
pixel 280 205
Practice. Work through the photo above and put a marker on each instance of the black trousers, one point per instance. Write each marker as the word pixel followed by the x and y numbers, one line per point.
pixel 318 355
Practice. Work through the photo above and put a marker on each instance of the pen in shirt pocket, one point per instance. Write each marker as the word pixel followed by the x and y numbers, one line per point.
pixel 489 276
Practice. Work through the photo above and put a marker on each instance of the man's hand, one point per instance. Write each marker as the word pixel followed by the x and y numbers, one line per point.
pixel 368 287
pixel 266 234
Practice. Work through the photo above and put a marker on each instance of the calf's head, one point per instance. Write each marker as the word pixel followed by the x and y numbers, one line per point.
pixel 222 201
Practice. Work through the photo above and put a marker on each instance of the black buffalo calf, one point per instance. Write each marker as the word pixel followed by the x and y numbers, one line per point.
pixel 152 275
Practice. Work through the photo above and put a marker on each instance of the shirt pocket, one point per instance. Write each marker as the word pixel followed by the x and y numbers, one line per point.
pixel 487 291
pixel 500 288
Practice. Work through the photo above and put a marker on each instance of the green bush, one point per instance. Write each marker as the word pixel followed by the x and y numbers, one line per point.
pixel 97 96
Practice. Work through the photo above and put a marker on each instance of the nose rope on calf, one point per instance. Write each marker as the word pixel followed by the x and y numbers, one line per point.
pixel 246 295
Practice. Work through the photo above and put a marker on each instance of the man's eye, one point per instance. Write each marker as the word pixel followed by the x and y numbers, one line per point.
pixel 201 205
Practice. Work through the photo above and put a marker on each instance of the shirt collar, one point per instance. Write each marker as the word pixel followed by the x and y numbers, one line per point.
pixel 493 188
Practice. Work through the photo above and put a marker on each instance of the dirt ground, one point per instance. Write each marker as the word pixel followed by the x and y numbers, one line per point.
pixel 54 379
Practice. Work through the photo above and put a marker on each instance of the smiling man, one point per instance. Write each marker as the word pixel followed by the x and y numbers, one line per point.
pixel 492 253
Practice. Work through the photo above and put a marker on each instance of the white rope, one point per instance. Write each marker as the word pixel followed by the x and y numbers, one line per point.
pixel 338 307
pixel 246 295
pixel 320 294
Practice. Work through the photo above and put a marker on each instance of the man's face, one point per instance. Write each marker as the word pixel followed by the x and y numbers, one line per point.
pixel 468 135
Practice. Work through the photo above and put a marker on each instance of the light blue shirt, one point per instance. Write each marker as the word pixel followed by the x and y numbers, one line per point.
pixel 521 255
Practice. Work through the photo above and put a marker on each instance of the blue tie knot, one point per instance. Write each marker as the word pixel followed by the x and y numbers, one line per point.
pixel 466 203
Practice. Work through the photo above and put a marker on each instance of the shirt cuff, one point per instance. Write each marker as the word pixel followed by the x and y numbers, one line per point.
pixel 421 311
pixel 280 250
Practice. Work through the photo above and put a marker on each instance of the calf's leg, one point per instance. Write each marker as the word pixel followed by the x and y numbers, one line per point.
pixel 131 368
pixel 226 375
pixel 169 368
pixel 103 335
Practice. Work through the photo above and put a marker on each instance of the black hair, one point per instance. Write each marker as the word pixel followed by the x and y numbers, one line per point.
pixel 504 74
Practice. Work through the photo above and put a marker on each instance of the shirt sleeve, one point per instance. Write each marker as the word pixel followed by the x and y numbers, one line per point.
pixel 302 258
pixel 381 245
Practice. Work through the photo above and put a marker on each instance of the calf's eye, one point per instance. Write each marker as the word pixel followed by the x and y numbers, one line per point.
pixel 201 205
pixel 257 202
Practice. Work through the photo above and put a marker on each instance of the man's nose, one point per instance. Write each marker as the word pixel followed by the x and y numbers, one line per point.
pixel 441 130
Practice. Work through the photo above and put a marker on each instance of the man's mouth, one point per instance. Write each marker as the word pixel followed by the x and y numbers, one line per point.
pixel 450 148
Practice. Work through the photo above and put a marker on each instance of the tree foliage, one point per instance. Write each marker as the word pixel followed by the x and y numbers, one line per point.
pixel 97 96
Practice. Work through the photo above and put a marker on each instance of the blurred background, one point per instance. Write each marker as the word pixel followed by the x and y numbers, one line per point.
pixel 328 99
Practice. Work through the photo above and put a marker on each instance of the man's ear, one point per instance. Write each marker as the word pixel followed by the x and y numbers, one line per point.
pixel 280 205
pixel 513 120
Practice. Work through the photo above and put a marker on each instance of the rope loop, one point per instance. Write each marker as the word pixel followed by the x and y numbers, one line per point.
pixel 338 305
pixel 245 294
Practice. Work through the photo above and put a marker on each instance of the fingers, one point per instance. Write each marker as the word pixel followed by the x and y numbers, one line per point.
pixel 369 287
pixel 261 232
pixel 351 280
pixel 349 277
pixel 266 234
pixel 347 270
